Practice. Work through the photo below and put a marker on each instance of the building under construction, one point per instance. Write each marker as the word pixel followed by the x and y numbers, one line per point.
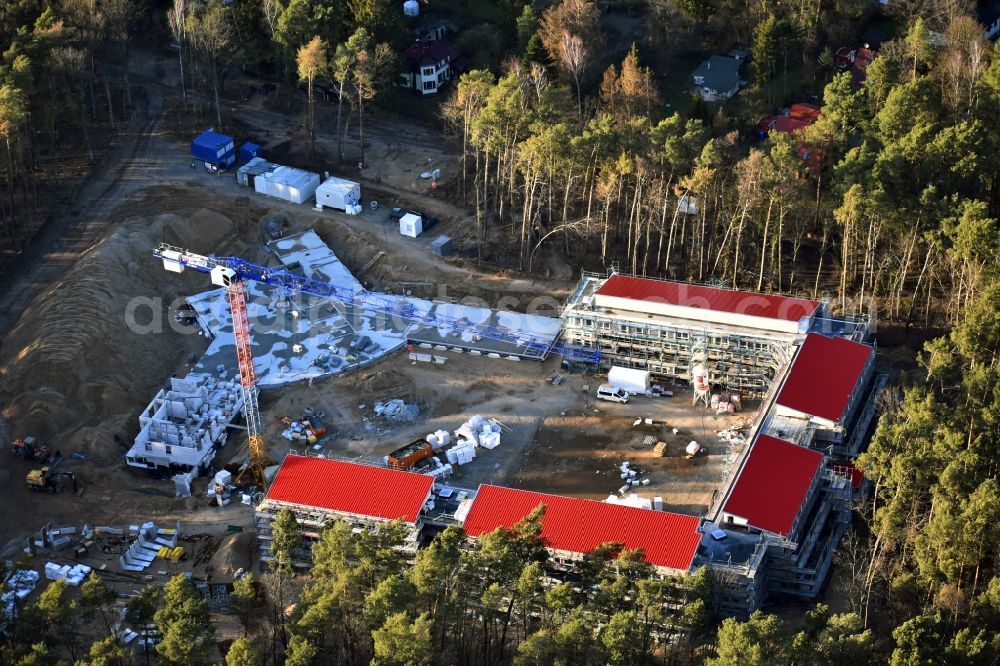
pixel 731 339
pixel 320 491
pixel 784 500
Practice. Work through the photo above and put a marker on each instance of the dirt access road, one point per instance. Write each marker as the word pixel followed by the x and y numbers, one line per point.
pixel 61 242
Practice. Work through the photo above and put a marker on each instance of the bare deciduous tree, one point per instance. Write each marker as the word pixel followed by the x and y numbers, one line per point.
pixel 370 73
pixel 177 18
pixel 212 34
pixel 574 58
pixel 271 11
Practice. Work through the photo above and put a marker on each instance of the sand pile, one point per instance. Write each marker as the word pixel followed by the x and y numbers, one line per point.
pixel 232 553
pixel 72 370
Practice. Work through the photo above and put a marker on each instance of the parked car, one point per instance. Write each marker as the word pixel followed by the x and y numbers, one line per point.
pixel 612 394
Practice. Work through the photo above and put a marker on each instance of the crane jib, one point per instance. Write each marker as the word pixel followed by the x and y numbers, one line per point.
pixel 176 258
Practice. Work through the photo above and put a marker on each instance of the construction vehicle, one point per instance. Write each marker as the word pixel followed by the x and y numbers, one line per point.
pixel 30 448
pixel 232 272
pixel 48 480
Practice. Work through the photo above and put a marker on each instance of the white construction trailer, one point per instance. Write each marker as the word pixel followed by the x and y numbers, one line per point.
pixel 287 183
pixel 632 380
pixel 338 193
pixel 411 225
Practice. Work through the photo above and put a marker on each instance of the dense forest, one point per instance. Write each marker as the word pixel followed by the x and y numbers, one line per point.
pixel 898 215
pixel 568 150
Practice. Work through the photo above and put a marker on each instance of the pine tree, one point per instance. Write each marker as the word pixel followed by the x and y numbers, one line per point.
pixel 184 623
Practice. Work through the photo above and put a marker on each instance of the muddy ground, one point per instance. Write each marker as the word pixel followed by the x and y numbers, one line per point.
pixel 74 373
pixel 559 439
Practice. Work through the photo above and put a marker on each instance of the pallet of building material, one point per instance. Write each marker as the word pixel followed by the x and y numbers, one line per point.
pixel 102 529
pixel 126 565
pixel 660 449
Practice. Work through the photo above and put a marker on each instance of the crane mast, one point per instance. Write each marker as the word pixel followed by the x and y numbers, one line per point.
pixel 258 458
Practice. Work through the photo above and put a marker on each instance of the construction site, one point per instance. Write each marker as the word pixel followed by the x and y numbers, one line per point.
pixel 204 365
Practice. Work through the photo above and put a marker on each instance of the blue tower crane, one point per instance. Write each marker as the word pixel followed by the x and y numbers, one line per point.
pixel 177 259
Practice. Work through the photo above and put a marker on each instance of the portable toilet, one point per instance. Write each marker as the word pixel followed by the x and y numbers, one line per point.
pixel 248 151
pixel 215 151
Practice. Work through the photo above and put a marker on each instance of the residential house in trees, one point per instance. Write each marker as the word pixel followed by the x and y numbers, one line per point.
pixel 429 66
pixel 435 30
pixel 856 61
pixel 718 78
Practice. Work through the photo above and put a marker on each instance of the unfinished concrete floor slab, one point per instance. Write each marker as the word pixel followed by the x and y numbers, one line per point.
pixel 297 337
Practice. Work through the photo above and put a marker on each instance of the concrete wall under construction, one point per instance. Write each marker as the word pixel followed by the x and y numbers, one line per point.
pixel 181 427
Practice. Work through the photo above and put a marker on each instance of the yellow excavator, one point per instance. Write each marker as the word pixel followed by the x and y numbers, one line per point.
pixel 48 480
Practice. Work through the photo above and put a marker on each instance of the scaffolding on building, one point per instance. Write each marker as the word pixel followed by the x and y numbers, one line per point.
pixel 740 360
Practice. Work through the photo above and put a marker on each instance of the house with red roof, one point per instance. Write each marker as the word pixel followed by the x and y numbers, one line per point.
pixel 794 123
pixel 855 61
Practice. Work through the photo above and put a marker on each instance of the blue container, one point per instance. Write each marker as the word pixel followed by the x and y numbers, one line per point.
pixel 213 148
pixel 248 151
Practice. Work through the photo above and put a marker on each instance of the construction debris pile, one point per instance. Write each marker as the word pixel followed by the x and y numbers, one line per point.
pixel 310 428
pixel 631 477
pixel 439 469
pixel 733 436
pixel 726 402
pixel 475 432
pixel 398 411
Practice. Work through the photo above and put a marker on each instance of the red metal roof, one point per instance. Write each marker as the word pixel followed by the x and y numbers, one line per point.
pixel 773 484
pixel 807 112
pixel 749 303
pixel 824 373
pixel 429 53
pixel 579 525
pixel 789 125
pixel 351 488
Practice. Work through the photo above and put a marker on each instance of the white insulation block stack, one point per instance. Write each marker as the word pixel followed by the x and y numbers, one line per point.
pixel 462 454
pixel 470 429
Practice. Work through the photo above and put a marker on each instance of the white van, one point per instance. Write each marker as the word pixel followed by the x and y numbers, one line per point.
pixel 609 392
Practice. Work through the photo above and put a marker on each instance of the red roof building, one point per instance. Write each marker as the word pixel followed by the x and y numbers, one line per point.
pixel 432 53
pixel 577 526
pixel 773 485
pixel 806 112
pixel 788 125
pixel 691 301
pixel 824 377
pixel 856 60
pixel 349 488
